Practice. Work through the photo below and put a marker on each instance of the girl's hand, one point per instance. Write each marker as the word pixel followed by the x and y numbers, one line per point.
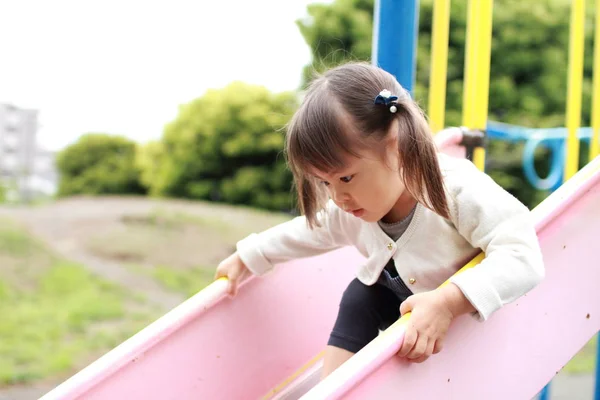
pixel 431 316
pixel 235 270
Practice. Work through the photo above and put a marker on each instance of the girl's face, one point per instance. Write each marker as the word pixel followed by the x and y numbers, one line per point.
pixel 369 187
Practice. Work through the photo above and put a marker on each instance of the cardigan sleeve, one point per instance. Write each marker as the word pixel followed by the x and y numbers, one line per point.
pixel 294 239
pixel 491 219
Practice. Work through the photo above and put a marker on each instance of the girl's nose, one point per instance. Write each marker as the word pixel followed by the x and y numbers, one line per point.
pixel 339 196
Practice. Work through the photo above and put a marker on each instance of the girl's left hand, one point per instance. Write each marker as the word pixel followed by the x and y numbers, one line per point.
pixel 427 326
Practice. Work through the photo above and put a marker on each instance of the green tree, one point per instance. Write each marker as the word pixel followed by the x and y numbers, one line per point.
pixel 227 146
pixel 3 191
pixel 147 161
pixel 528 73
pixel 337 32
pixel 99 164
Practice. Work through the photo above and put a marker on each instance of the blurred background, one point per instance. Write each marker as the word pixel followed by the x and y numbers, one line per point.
pixel 140 141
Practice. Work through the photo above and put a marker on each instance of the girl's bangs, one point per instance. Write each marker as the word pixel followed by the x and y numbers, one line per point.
pixel 317 141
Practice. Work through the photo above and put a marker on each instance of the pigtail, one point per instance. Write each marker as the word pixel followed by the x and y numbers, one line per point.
pixel 422 175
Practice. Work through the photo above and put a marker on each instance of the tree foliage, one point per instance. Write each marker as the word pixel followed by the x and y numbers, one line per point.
pixel 98 164
pixel 337 32
pixel 528 74
pixel 226 146
pixel 147 161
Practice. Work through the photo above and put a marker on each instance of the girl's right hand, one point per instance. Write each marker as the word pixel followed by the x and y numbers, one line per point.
pixel 234 270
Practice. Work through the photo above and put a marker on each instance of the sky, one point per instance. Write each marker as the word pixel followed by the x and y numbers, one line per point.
pixel 124 67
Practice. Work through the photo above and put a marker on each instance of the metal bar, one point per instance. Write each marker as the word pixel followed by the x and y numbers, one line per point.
pixel 545 393
pixel 439 64
pixel 595 141
pixel 469 74
pixel 574 90
pixel 597 385
pixel 477 70
pixel 395 32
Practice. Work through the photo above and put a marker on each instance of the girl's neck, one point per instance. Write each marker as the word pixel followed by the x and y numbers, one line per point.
pixel 401 209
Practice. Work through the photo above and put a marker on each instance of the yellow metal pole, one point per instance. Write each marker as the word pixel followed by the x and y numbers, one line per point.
pixel 477 70
pixel 439 64
pixel 573 119
pixel 595 140
pixel 483 78
pixel 470 53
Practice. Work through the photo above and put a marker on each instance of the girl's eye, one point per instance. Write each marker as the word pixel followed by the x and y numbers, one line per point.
pixel 346 179
pixel 325 183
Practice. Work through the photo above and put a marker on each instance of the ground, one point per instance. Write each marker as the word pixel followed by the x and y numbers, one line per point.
pixel 150 245
pixel 141 256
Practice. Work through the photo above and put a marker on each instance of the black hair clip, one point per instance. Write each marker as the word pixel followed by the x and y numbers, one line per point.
pixel 385 97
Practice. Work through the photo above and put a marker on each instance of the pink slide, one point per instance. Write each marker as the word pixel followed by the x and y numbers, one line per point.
pixel 267 342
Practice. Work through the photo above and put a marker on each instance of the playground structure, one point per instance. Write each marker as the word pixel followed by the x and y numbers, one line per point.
pixel 268 341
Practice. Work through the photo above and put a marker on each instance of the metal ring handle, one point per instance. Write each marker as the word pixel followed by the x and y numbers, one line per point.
pixel 554 178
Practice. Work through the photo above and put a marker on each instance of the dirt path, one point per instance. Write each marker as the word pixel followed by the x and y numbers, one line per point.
pixel 25 393
pixel 58 224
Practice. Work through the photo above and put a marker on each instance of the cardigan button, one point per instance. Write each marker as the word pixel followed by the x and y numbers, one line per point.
pixel 390 246
pixel 412 281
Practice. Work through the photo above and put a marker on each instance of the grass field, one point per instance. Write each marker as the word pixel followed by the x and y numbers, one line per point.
pixel 55 315
pixel 181 237
pixel 179 248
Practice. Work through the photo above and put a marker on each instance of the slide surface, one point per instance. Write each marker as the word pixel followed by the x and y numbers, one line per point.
pixel 214 347
pixel 518 351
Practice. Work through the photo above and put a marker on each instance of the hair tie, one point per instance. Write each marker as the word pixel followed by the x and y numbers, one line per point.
pixel 385 97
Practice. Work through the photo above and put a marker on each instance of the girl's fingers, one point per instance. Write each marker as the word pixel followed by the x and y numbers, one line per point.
pixel 439 345
pixel 410 338
pixel 419 348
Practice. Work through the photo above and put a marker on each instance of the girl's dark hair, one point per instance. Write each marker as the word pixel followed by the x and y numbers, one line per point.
pixel 338 117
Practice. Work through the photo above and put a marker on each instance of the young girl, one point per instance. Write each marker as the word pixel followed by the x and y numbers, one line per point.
pixel 368 174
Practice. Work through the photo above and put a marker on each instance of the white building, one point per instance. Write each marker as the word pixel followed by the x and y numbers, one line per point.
pixel 26 169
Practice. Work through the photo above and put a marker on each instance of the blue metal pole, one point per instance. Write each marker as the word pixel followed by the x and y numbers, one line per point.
pixel 597 388
pixel 395 31
pixel 545 393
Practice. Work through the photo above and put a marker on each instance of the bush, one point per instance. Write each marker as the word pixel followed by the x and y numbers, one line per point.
pixel 147 161
pixel 99 164
pixel 225 146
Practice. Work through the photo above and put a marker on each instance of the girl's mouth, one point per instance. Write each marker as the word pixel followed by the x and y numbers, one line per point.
pixel 358 212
